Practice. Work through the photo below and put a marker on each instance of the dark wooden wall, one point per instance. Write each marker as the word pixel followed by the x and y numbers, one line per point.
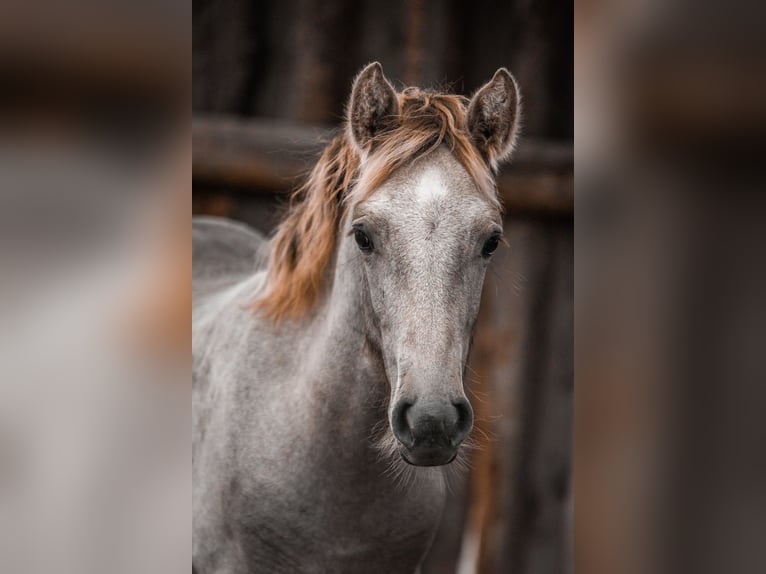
pixel 294 59
pixel 271 77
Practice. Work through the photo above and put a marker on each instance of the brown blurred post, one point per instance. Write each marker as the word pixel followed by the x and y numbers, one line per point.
pixel 523 353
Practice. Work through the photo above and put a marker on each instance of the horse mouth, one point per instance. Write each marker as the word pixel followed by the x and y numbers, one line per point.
pixel 431 457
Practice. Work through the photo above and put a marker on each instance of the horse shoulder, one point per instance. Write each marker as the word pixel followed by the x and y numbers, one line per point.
pixel 224 251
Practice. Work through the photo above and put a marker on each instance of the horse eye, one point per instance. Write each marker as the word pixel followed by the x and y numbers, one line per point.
pixel 489 246
pixel 362 240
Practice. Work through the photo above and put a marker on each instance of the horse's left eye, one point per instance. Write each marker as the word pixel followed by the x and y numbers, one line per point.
pixel 362 240
pixel 490 246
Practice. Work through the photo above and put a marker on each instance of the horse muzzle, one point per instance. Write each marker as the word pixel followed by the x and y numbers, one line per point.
pixel 430 432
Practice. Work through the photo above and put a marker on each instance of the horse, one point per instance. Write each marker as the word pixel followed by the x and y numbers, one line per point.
pixel 328 361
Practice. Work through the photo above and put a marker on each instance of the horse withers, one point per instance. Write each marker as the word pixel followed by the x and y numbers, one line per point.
pixel 328 368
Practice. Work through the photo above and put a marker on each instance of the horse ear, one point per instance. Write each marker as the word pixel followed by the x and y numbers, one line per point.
pixel 374 106
pixel 493 117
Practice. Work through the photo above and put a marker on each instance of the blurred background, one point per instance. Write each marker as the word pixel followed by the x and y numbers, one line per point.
pixel 270 81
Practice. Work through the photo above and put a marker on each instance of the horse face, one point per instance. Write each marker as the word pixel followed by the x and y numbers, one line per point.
pixel 424 240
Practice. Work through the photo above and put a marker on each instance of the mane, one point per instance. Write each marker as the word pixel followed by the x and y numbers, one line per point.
pixel 305 240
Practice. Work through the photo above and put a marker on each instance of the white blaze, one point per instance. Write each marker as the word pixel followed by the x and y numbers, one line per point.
pixel 430 186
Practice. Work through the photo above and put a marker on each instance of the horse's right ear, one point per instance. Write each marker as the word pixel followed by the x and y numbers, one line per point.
pixel 373 108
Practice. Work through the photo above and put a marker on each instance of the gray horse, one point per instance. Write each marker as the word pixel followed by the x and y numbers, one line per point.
pixel 328 362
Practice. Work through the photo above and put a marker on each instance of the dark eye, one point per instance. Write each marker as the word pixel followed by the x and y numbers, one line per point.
pixel 362 240
pixel 489 246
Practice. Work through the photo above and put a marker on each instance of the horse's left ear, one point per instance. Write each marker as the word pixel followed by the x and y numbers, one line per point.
pixel 373 108
pixel 493 117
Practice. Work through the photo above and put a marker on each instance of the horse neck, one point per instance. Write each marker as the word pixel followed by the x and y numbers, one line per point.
pixel 347 329
pixel 347 369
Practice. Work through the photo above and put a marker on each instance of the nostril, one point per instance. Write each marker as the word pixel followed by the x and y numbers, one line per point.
pixel 464 420
pixel 400 425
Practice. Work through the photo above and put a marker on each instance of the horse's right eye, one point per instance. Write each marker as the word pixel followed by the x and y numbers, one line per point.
pixel 362 240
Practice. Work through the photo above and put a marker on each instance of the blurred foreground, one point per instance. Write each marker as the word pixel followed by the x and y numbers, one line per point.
pixel 669 428
pixel 95 274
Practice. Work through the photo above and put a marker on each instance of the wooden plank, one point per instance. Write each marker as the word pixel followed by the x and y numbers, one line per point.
pixel 268 157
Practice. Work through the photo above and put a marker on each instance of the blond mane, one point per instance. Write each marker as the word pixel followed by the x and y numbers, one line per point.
pixel 306 238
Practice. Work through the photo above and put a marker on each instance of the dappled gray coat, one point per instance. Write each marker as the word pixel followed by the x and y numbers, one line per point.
pixel 328 362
